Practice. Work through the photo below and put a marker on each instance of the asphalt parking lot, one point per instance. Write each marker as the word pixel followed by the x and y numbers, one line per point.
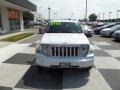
pixel 19 72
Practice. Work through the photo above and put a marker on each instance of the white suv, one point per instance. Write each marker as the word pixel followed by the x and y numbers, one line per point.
pixel 64 46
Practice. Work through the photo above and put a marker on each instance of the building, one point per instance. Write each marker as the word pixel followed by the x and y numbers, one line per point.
pixel 11 18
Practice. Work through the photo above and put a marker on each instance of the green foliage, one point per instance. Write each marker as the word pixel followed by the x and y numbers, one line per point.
pixel 93 17
pixel 17 37
pixel 27 16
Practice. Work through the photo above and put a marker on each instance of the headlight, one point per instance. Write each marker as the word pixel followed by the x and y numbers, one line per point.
pixel 38 48
pixel 45 48
pixel 84 50
pixel 91 50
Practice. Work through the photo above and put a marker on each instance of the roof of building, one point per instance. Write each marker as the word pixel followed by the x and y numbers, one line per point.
pixel 24 3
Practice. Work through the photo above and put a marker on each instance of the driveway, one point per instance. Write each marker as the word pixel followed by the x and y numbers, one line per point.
pixel 19 72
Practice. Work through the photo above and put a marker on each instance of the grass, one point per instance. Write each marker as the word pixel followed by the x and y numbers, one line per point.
pixel 17 37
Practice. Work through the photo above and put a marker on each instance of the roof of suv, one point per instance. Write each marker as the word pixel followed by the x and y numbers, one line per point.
pixel 63 21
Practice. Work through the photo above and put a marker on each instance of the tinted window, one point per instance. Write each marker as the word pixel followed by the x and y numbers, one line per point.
pixel 115 27
pixel 64 27
pixel 109 26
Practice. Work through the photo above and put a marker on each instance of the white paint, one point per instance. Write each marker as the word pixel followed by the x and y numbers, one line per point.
pixel 11 50
pixel 114 53
pixel 101 43
pixel 97 47
pixel 10 74
pixel 106 63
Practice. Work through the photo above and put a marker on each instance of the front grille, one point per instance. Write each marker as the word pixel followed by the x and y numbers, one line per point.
pixel 65 51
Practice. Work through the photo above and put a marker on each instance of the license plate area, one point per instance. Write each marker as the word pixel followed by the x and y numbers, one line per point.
pixel 65 65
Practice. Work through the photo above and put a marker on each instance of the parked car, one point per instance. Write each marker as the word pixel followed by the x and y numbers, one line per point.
pixel 87 31
pixel 42 30
pixel 97 30
pixel 109 31
pixel 116 34
pixel 64 46
pixel 98 24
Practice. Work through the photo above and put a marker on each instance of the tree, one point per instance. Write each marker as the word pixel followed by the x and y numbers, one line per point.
pixel 93 17
pixel 27 16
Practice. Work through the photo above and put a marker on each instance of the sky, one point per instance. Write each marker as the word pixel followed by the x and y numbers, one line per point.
pixel 76 8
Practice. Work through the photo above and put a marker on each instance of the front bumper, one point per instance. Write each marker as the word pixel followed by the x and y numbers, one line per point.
pixel 75 62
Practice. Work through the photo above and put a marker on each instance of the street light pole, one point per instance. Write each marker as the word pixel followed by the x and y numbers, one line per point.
pixel 86 10
pixel 55 15
pixel 98 16
pixel 109 15
pixel 49 12
pixel 72 14
pixel 103 16
pixel 117 15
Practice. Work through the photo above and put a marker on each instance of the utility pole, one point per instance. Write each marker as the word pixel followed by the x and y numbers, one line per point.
pixel 86 11
pixel 109 15
pixel 49 12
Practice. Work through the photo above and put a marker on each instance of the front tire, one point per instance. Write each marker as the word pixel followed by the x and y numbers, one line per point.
pixel 117 39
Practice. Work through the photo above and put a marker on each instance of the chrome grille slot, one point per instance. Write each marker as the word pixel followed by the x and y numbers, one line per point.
pixel 60 51
pixel 57 51
pixel 53 51
pixel 76 51
pixel 65 51
pixel 68 50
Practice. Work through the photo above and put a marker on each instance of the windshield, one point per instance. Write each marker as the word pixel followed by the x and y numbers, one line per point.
pixel 115 27
pixel 108 26
pixel 64 27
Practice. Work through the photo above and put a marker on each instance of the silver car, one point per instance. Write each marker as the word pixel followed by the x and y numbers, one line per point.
pixel 116 34
pixel 109 31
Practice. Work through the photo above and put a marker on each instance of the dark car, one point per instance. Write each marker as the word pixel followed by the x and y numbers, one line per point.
pixel 97 30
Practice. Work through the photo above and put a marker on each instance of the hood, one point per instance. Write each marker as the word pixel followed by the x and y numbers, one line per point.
pixel 64 38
